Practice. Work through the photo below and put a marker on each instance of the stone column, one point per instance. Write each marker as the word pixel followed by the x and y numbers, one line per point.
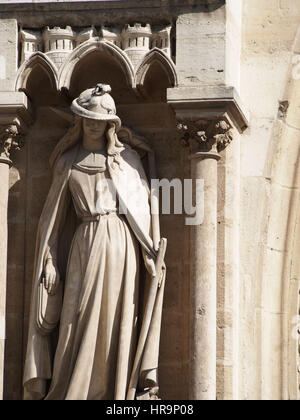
pixel 205 138
pixel 9 140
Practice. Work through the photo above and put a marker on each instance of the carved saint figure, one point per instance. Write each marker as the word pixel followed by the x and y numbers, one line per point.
pixel 93 332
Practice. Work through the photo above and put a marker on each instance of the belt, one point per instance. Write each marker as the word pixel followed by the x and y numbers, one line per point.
pixel 96 218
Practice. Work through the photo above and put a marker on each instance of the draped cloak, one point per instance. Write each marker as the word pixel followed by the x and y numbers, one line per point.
pixel 130 183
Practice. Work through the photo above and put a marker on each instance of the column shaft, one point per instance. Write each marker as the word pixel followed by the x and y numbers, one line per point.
pixel 203 286
pixel 4 184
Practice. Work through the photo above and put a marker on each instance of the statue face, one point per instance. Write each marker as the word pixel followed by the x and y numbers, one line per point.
pixel 95 129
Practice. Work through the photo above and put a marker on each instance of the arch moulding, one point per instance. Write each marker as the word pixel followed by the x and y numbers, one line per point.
pixel 37 59
pixel 157 56
pixel 65 74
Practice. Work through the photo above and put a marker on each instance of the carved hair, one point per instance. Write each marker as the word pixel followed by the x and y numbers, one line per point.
pixel 74 135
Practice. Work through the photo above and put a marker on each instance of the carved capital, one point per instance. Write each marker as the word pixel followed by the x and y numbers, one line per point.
pixel 10 140
pixel 210 136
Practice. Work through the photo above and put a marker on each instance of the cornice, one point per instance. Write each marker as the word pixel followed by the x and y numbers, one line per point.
pixel 15 109
pixel 37 14
pixel 209 103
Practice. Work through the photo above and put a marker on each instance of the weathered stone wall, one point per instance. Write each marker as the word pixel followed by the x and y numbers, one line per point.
pixel 268 189
pixel 200 46
pixel 8 53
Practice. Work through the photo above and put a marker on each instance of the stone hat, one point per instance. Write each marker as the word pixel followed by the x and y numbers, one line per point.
pixel 96 104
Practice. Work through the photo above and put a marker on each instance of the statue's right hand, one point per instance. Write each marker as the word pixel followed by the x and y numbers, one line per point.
pixel 51 277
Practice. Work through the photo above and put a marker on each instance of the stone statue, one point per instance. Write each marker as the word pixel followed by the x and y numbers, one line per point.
pixel 96 310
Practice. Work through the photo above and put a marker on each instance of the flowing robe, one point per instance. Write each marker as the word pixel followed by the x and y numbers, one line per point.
pixel 87 320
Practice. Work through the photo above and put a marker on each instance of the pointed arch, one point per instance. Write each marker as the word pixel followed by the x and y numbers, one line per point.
pixel 37 59
pixel 153 57
pixel 89 47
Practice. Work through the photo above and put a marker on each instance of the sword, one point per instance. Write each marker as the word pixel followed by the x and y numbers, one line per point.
pixel 155 284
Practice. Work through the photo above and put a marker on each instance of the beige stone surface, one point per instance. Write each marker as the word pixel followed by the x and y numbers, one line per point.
pixel 267 76
pixel 8 53
pixel 228 272
pixel 234 22
pixel 204 286
pixel 251 46
pixel 200 47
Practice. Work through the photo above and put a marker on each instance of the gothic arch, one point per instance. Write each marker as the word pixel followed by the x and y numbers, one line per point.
pixel 157 56
pixel 88 47
pixel 37 59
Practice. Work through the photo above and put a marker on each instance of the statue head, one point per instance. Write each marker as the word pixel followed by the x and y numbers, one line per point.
pixel 95 113
pixel 97 104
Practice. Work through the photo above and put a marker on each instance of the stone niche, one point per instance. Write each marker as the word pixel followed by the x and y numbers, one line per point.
pixel 56 64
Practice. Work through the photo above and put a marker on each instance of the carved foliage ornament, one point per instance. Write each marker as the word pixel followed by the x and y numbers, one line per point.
pixel 206 135
pixel 10 139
